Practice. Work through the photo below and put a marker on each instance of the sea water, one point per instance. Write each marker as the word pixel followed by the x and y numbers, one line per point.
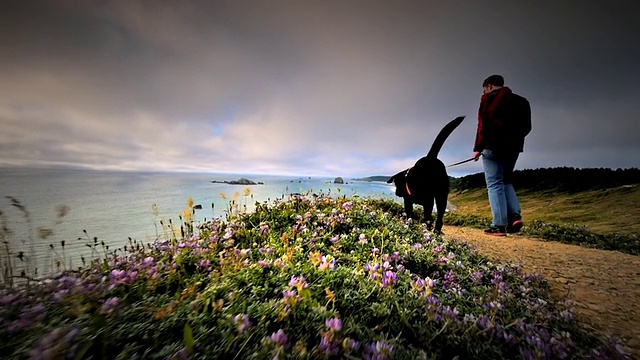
pixel 112 207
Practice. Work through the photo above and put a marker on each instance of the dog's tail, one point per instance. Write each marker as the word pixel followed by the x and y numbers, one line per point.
pixel 443 135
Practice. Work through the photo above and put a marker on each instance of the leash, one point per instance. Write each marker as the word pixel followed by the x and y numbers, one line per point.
pixel 463 161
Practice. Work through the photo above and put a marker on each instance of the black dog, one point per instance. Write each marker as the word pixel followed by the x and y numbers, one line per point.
pixel 427 180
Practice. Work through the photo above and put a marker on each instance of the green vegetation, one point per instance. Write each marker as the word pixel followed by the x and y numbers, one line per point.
pixel 605 216
pixel 310 277
pixel 383 178
pixel 562 179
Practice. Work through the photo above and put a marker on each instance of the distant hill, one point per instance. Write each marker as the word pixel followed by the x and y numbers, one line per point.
pixel 374 178
pixel 563 179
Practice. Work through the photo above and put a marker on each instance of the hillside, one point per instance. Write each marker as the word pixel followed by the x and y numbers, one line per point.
pixel 563 179
pixel 383 178
pixel 606 201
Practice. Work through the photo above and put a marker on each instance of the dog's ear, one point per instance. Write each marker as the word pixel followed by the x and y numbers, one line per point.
pixel 398 175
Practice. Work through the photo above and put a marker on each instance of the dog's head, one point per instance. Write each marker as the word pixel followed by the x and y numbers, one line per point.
pixel 400 181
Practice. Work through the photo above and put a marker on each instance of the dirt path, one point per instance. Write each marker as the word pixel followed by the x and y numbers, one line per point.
pixel 604 284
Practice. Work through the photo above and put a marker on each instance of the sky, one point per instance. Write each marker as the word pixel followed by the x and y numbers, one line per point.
pixel 319 88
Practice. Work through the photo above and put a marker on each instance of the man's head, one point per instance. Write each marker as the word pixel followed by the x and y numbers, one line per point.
pixel 491 83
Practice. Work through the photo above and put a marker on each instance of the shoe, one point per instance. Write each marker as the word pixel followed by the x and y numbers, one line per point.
pixel 496 231
pixel 515 227
pixel 515 224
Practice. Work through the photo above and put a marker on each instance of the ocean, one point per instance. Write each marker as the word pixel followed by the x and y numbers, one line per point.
pixel 115 206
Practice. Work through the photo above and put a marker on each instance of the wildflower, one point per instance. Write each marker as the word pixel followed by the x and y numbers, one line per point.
pixel 379 350
pixel 334 239
pixel 362 239
pixel 290 297
pixel 315 258
pixel 350 345
pixel 263 263
pixel 483 322
pixel 59 341
pixel 205 264
pixel 279 338
pixel 9 299
pixel 300 283
pixel 347 206
pixel 152 273
pixel 242 322
pixel 334 324
pixel 418 283
pixel 476 277
pixel 328 263
pixel 389 279
pixel 59 295
pixel 328 346
pixel 110 305
pixel 330 295
pixel 147 262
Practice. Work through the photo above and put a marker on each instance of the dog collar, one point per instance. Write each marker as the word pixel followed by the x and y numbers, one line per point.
pixel 406 183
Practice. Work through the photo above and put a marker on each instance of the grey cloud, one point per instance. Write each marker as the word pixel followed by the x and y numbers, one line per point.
pixel 308 87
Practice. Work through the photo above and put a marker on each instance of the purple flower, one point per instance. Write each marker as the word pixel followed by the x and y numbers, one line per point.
pixel 328 346
pixel 379 350
pixel 476 277
pixel 334 239
pixel 279 338
pixel 147 262
pixel 17 325
pixel 334 324
pixel 483 322
pixel 242 322
pixel 8 299
pixel 389 279
pixel 347 206
pixel 300 282
pixel 110 304
pixel 350 345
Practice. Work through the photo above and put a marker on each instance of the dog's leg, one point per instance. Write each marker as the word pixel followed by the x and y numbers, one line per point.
pixel 408 207
pixel 428 209
pixel 441 205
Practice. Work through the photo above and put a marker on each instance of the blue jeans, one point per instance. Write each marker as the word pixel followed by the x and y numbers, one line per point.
pixel 498 173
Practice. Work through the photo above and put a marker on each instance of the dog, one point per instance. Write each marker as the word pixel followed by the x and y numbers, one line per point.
pixel 427 181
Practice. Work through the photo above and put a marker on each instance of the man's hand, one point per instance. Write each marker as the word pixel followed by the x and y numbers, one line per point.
pixel 476 155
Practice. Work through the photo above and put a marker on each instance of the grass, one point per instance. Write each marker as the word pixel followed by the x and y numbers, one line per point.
pixel 307 278
pixel 604 211
pixel 607 219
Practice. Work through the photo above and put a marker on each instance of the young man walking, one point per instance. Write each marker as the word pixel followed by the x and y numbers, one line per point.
pixel 504 120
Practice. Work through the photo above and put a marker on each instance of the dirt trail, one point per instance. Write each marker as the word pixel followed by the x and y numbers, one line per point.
pixel 604 284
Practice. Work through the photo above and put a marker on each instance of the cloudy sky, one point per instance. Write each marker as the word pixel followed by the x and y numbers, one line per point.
pixel 335 88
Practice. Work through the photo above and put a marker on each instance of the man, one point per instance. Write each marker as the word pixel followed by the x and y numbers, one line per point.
pixel 504 119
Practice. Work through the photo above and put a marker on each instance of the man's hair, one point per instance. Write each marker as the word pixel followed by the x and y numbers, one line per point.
pixel 495 80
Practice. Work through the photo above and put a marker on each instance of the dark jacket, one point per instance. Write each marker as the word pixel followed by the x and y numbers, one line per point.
pixel 504 119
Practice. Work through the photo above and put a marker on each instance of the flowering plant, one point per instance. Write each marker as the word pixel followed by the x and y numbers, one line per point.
pixel 309 277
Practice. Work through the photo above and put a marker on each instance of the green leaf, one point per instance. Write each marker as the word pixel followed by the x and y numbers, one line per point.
pixel 188 338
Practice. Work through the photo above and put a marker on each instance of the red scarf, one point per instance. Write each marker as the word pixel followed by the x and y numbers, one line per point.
pixel 486 112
